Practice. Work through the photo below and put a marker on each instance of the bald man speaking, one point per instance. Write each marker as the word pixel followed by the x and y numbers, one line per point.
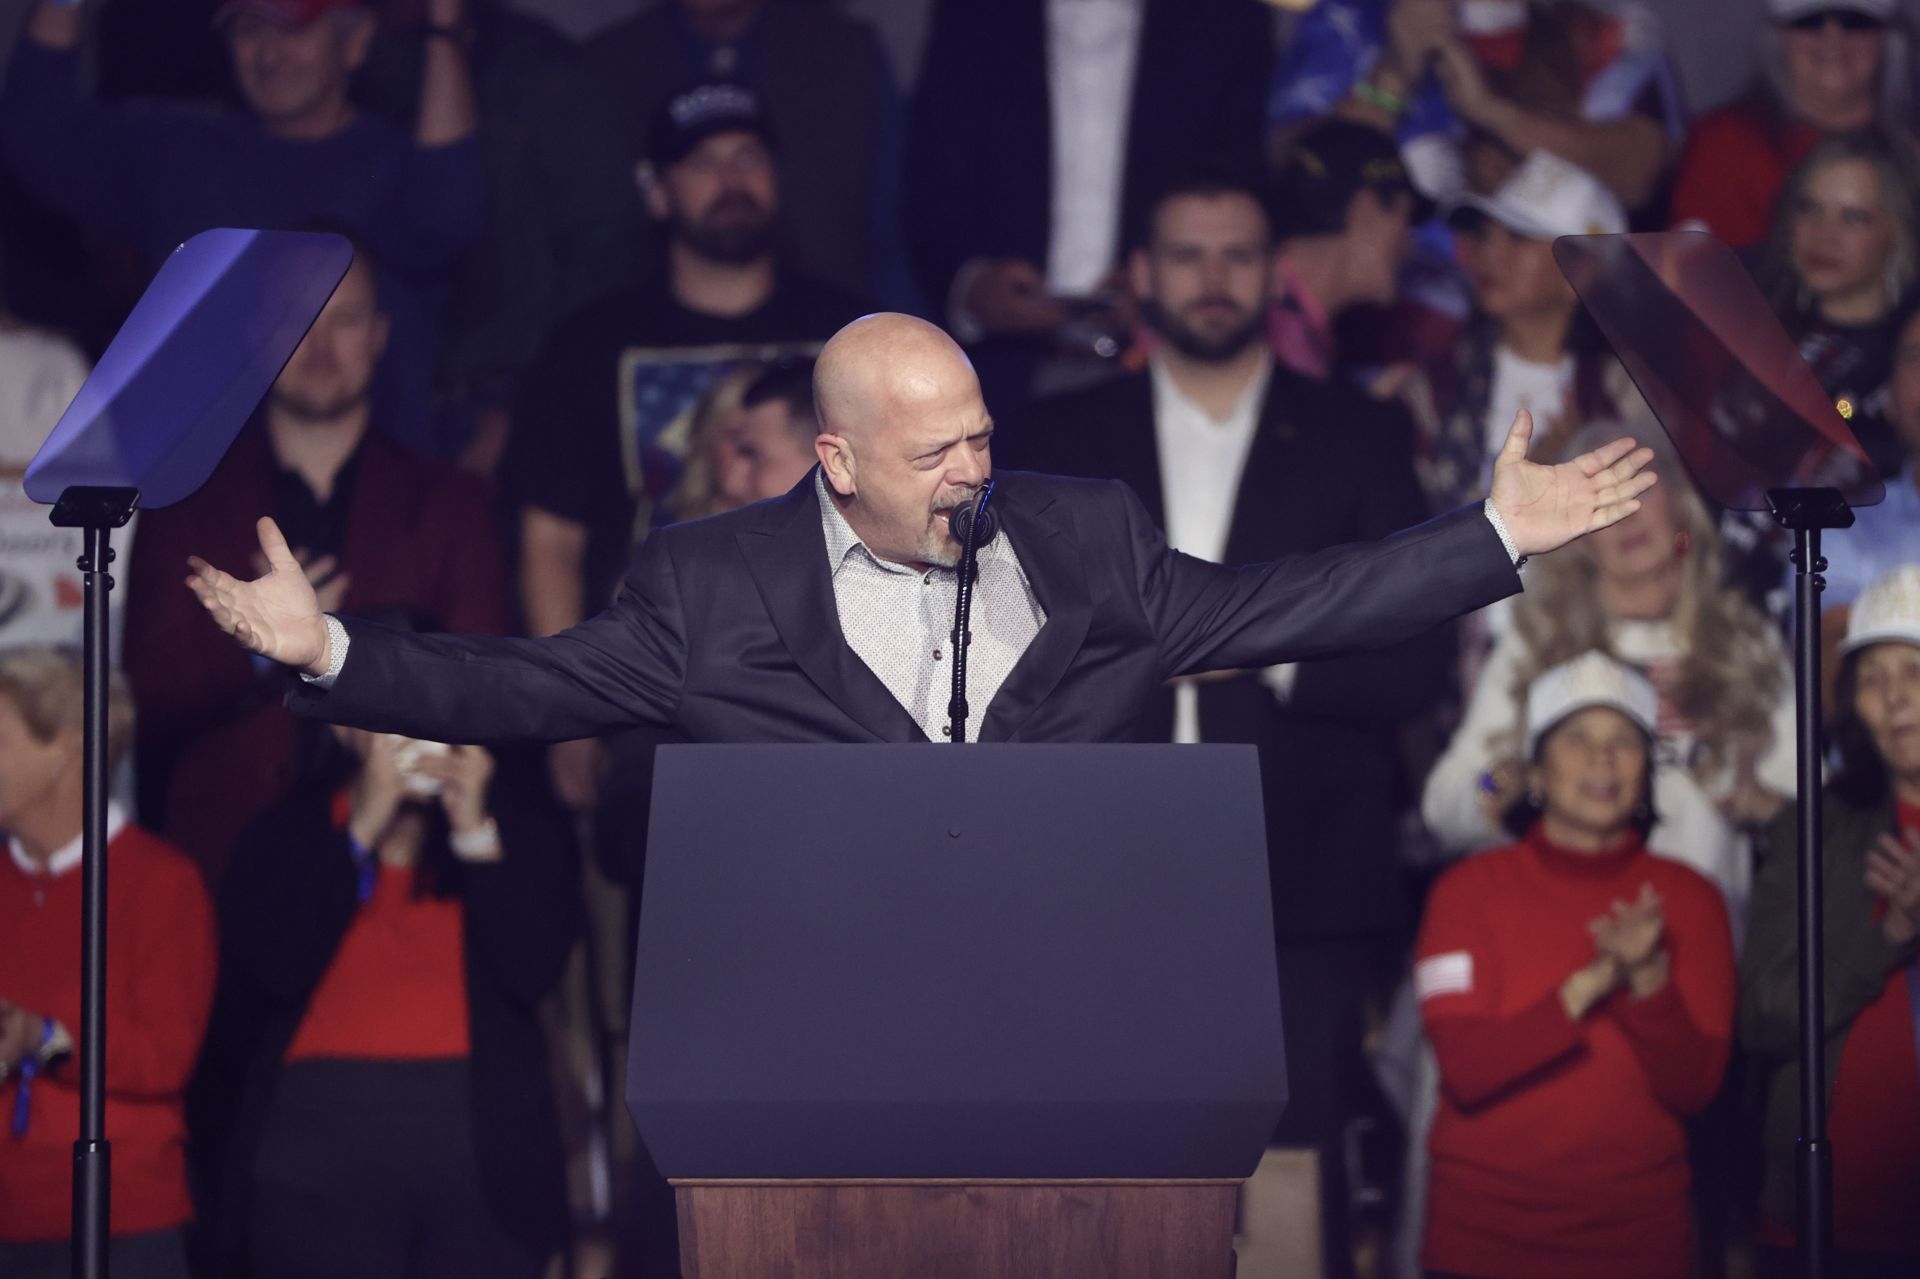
pixel 824 615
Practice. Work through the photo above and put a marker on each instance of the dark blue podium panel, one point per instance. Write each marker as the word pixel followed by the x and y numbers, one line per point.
pixel 928 961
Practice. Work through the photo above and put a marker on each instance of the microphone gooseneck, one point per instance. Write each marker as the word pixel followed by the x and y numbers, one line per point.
pixel 973 526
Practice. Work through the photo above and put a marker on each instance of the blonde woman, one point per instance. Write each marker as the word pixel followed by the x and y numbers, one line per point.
pixel 1649 592
pixel 1838 265
pixel 709 447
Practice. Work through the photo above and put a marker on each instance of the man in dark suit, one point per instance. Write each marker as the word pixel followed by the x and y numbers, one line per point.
pixel 1240 459
pixel 795 620
pixel 1039 133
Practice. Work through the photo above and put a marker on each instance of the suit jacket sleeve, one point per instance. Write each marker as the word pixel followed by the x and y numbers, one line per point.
pixel 1211 617
pixel 623 667
pixel 1395 684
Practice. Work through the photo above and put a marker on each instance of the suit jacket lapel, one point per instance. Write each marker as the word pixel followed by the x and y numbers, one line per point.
pixel 1267 481
pixel 787 555
pixel 1050 556
pixel 1132 447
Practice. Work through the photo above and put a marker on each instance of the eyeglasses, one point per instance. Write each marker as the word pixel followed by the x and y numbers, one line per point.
pixel 1851 20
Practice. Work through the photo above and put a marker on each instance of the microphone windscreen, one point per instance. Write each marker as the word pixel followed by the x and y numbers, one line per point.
pixel 963 517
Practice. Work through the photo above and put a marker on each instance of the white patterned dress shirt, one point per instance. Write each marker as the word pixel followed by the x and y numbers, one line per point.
pixel 899 621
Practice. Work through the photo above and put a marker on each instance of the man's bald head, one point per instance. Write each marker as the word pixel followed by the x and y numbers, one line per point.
pixel 903 433
pixel 883 364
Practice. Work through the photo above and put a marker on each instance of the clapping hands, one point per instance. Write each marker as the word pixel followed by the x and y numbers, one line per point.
pixel 1893 872
pixel 1630 936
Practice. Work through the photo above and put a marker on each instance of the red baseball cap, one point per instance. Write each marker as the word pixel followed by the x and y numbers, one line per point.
pixel 286 13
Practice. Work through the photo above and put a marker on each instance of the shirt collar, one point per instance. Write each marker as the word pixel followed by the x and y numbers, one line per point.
pixel 842 541
pixel 1244 410
pixel 67 856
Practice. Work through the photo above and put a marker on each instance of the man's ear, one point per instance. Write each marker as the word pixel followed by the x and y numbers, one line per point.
pixel 647 178
pixel 836 462
pixel 1140 274
pixel 356 32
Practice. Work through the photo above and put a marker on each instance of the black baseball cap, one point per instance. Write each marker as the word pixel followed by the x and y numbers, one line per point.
pixel 1330 164
pixel 690 117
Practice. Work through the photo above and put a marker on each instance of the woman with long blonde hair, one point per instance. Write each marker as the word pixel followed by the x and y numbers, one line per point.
pixel 1651 593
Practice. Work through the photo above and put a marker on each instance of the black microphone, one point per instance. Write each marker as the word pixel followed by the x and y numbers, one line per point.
pixel 962 519
pixel 973 526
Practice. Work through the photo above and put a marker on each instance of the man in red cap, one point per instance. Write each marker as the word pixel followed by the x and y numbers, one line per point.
pixel 301 153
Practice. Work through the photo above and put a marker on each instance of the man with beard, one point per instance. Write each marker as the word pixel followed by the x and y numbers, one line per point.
pixel 1240 459
pixel 374 525
pixel 710 183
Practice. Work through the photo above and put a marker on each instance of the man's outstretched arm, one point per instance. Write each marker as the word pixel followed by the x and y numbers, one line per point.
pixel 1370 595
pixel 624 667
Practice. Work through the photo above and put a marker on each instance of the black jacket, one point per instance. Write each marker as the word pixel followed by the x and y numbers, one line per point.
pixel 285 904
pixel 1327 465
pixel 1859 960
pixel 979 179
pixel 726 630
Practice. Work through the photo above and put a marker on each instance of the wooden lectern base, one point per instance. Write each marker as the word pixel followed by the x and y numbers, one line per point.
pixel 956 1229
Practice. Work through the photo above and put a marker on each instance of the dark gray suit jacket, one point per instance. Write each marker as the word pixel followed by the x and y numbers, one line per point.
pixel 727 631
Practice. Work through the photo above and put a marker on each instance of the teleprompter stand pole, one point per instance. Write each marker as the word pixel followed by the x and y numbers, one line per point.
pixel 1807 512
pixel 96 511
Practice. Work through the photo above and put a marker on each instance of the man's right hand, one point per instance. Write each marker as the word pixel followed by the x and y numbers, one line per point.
pixel 1010 296
pixel 277 616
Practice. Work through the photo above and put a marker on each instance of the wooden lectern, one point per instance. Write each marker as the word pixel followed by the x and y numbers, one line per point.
pixel 997 1011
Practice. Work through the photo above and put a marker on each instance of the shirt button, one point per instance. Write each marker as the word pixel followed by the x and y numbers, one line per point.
pixel 936 654
pixel 946 730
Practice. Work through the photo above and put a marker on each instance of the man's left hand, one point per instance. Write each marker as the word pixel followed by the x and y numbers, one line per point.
pixel 1545 507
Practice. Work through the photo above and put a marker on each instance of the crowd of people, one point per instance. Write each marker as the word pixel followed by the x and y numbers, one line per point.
pixel 1290 279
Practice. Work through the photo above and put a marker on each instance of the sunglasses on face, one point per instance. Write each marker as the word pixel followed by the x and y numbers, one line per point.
pixel 1846 19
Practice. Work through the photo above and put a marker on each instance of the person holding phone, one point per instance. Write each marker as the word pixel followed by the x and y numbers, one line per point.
pixel 392 925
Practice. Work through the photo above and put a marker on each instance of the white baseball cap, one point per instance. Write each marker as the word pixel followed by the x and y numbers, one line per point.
pixel 1591 679
pixel 1548 197
pixel 1887 611
pixel 1788 10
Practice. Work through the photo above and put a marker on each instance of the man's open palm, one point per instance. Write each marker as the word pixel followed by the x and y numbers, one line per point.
pixel 277 616
pixel 1545 507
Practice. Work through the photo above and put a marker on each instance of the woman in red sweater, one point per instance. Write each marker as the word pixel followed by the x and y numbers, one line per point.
pixel 1578 992
pixel 160 984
